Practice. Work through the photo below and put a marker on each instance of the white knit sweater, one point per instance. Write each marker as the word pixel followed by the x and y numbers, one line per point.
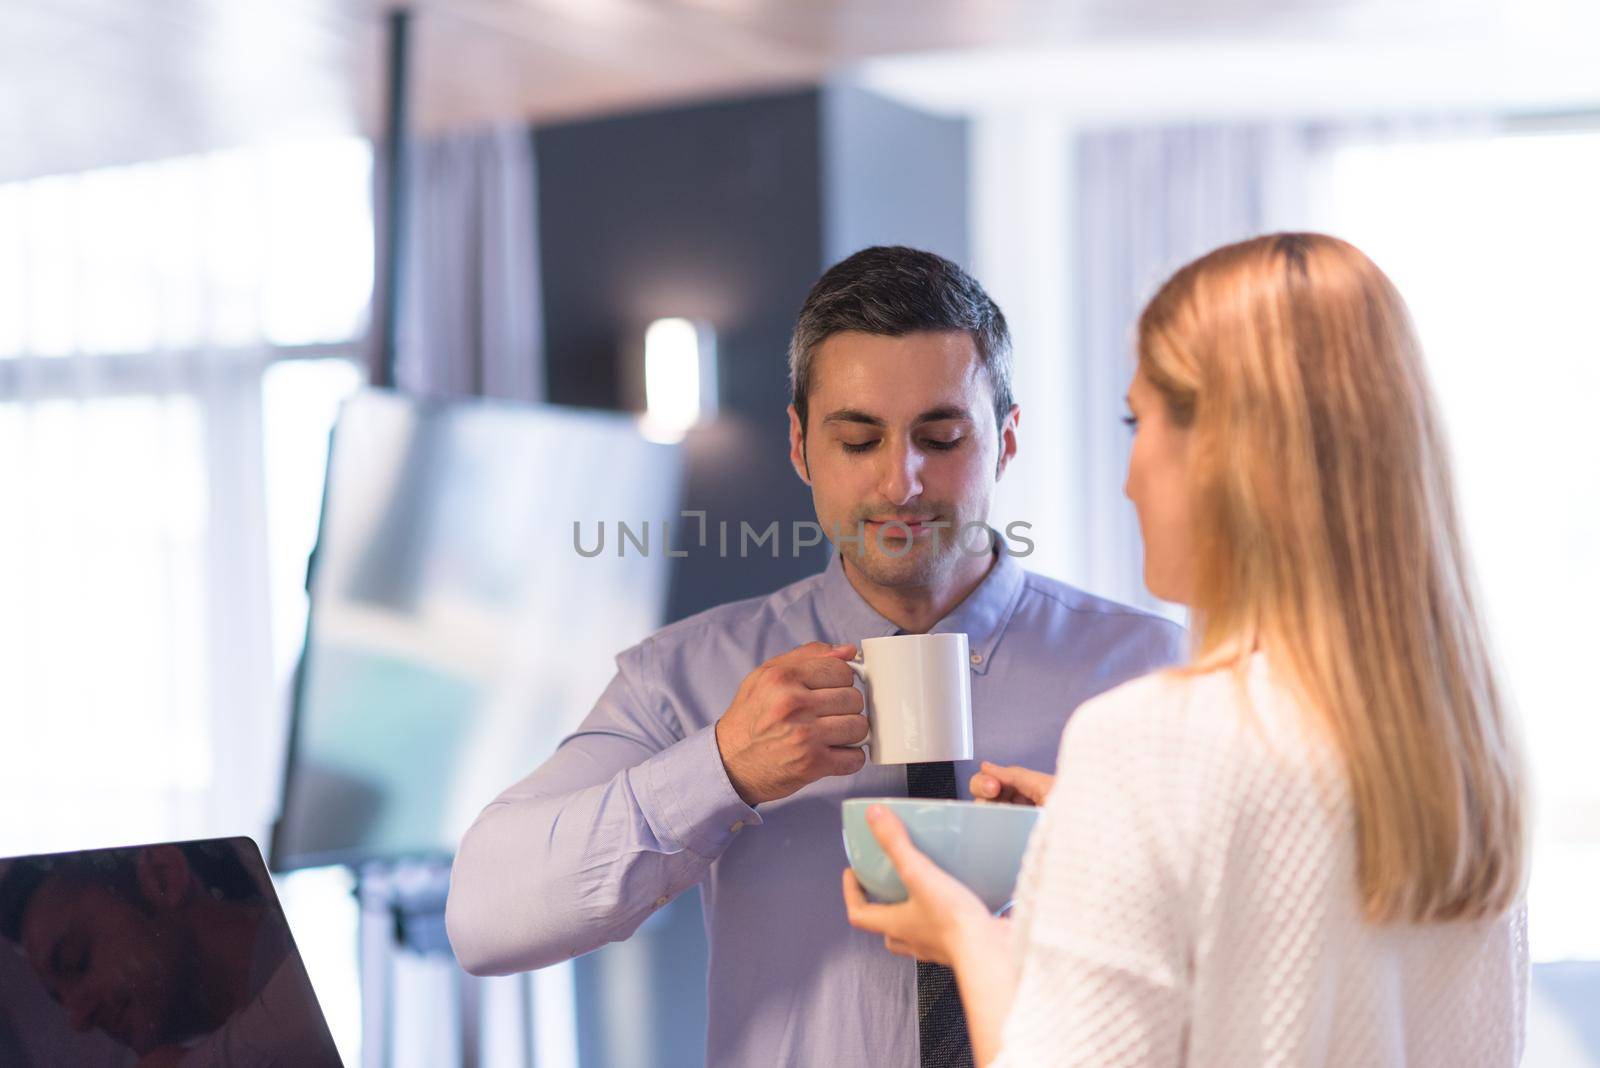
pixel 1189 898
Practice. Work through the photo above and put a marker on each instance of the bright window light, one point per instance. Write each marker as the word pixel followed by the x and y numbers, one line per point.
pixel 144 303
pixel 679 377
pixel 1491 240
pixel 228 249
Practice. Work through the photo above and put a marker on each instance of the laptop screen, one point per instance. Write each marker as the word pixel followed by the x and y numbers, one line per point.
pixel 170 954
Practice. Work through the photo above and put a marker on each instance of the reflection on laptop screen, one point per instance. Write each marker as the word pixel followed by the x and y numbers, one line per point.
pixel 174 953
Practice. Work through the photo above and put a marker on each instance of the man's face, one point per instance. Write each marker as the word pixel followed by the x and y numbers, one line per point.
pixel 112 965
pixel 901 428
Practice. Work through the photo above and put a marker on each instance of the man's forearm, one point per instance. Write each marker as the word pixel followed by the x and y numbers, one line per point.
pixel 522 897
pixel 543 876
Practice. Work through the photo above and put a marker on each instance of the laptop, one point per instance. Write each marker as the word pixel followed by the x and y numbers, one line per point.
pixel 176 953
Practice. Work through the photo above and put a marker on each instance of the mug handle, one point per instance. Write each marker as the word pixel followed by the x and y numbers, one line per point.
pixel 860 669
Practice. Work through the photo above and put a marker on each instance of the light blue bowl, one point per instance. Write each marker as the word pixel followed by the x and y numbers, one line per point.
pixel 980 844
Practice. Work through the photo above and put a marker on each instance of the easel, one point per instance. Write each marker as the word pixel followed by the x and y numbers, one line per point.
pixel 402 909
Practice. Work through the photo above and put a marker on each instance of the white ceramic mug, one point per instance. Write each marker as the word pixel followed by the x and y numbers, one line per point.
pixel 919 697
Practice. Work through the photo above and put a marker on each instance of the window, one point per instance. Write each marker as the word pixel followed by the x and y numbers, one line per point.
pixel 1491 239
pixel 147 313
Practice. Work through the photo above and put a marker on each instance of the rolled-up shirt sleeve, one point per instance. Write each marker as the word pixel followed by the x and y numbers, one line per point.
pixel 628 813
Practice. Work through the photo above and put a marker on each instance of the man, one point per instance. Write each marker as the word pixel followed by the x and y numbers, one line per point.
pixel 172 951
pixel 721 751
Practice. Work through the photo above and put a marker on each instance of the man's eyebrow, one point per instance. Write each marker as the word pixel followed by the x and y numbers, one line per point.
pixel 853 415
pixel 943 412
pixel 932 415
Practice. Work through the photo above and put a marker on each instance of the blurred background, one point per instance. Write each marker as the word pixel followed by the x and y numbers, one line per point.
pixel 544 256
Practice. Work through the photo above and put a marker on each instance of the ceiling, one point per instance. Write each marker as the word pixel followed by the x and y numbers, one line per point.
pixel 85 83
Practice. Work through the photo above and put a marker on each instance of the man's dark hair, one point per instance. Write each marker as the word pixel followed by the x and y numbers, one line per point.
pixel 893 291
pixel 215 864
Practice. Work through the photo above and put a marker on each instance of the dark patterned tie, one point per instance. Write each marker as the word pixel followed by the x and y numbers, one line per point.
pixel 941 1025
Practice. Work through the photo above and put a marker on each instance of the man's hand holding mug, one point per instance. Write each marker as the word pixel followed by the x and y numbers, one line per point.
pixel 796 719
pixel 799 717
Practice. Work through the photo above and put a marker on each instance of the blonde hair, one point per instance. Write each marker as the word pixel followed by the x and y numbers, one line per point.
pixel 1326 535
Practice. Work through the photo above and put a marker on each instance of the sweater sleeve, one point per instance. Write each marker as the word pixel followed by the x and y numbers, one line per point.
pixel 1101 937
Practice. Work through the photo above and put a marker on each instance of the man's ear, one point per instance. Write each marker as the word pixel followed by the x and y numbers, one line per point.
pixel 1008 440
pixel 797 447
pixel 164 876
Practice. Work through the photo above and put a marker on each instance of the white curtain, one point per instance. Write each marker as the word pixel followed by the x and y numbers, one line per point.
pixel 470 312
pixel 1148 201
pixel 1072 231
pixel 139 307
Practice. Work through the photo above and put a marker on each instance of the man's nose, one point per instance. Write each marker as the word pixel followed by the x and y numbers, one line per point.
pixel 901 479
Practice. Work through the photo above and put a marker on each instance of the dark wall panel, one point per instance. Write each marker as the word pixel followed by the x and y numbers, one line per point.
pixel 711 212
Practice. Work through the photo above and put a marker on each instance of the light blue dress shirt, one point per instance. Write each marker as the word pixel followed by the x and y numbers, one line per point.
pixel 635 807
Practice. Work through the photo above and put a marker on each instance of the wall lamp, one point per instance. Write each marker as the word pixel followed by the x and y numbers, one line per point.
pixel 680 377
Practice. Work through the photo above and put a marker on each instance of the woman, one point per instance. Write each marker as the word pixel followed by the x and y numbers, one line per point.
pixel 1307 846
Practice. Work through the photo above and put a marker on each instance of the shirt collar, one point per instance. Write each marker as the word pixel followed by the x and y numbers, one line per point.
pixel 983 615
